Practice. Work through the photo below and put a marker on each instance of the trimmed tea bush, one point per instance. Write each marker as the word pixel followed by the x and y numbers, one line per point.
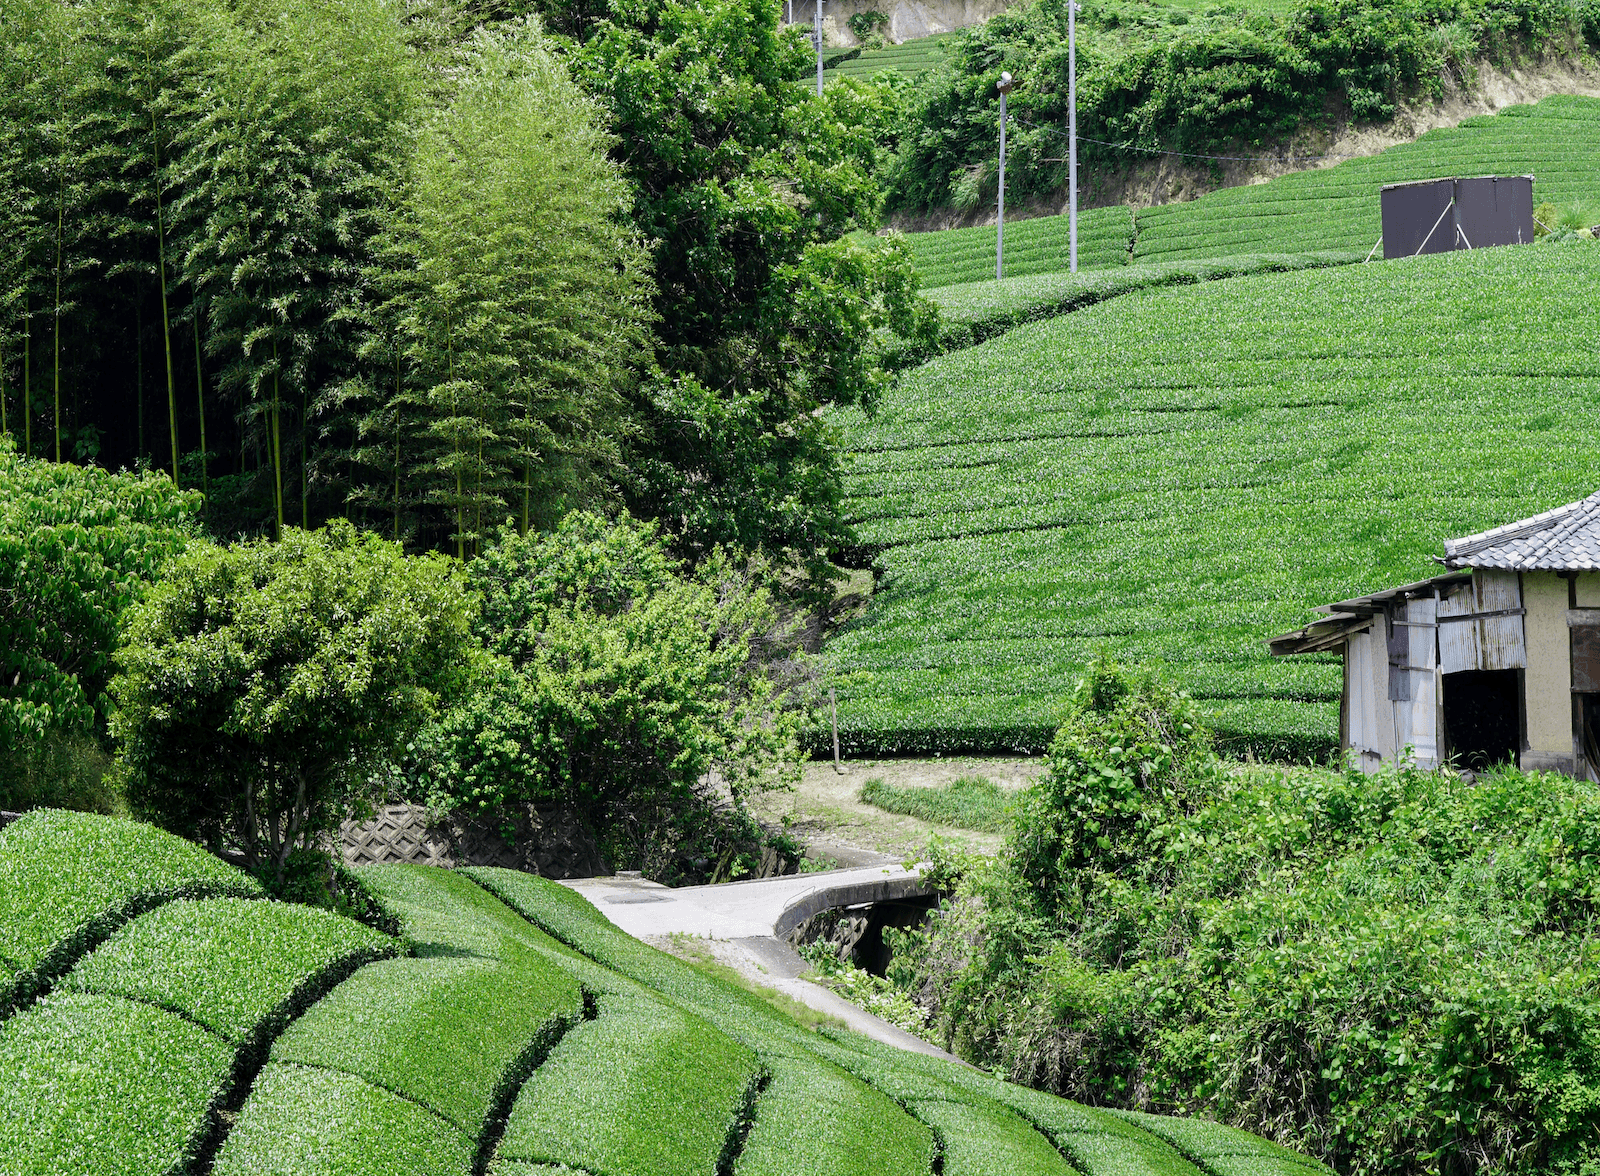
pixel 93 1085
pixel 240 968
pixel 455 1035
pixel 979 1138
pixel 67 880
pixel 643 1089
pixel 813 1109
pixel 304 1121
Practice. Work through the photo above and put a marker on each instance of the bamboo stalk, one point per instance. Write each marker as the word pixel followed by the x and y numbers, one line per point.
pixel 138 377
pixel 27 377
pixel 305 489
pixel 200 397
pixel 161 253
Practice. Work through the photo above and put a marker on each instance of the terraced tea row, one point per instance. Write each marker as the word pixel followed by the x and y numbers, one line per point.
pixel 1331 208
pixel 910 58
pixel 1173 476
pixel 511 1030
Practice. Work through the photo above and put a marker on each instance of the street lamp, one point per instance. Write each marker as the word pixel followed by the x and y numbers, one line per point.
pixel 1004 86
pixel 1072 129
pixel 818 33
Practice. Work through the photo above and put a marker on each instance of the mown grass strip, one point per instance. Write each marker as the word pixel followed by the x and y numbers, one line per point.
pixel 968 802
pixel 643 1089
pixel 306 1121
pixel 447 1033
pixel 242 968
pixel 93 1085
pixel 67 880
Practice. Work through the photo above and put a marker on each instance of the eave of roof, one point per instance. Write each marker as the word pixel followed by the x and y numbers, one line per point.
pixel 1564 539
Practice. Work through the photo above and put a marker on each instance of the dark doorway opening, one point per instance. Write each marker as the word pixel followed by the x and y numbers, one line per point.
pixel 1589 731
pixel 1482 717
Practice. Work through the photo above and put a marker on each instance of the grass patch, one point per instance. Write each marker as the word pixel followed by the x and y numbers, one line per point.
pixel 692 950
pixel 968 802
pixel 643 1089
pixel 446 1033
pixel 97 1084
pixel 67 880
pixel 239 967
pixel 301 1121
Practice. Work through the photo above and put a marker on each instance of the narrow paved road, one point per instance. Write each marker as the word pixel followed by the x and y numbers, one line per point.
pixel 747 921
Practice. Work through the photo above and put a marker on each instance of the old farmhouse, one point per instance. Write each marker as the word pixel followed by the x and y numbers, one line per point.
pixel 1496 659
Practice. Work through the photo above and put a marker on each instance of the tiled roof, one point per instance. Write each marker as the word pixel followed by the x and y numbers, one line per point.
pixel 1567 538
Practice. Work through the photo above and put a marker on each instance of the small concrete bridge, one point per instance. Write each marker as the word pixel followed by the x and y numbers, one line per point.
pixel 750 920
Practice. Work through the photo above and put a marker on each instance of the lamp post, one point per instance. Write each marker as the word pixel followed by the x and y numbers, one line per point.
pixel 1072 130
pixel 818 33
pixel 1004 86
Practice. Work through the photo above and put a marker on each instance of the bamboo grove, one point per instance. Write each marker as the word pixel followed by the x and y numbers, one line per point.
pixel 314 257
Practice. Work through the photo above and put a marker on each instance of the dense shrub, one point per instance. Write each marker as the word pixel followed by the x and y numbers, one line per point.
pixel 77 546
pixel 263 685
pixel 652 698
pixel 1395 972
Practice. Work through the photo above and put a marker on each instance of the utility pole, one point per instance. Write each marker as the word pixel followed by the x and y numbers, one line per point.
pixel 818 33
pixel 1004 86
pixel 1072 129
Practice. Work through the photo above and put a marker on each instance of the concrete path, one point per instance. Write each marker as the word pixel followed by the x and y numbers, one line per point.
pixel 745 923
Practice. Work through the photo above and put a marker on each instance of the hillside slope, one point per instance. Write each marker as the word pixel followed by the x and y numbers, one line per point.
pixel 1174 476
pixel 511 1030
pixel 1557 141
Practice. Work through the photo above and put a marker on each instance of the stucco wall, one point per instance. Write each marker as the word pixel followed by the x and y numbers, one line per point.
pixel 1588 589
pixel 1549 673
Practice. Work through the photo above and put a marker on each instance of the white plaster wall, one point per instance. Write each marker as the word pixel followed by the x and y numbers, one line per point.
pixel 1549 673
pixel 1588 589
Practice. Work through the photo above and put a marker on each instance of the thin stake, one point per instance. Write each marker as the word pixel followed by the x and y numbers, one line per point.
pixel 833 707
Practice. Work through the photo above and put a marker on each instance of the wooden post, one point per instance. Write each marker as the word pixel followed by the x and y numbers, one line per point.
pixel 833 707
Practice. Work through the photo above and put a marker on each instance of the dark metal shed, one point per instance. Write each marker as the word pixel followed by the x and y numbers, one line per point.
pixel 1436 216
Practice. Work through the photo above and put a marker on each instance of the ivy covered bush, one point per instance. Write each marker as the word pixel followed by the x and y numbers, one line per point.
pixel 1397 973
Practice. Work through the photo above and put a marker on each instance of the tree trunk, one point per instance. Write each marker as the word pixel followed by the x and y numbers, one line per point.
pixel 166 322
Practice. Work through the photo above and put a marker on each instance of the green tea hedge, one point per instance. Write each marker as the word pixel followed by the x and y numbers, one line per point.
pixel 643 1089
pixel 304 1121
pixel 813 1109
pixel 240 968
pixel 1226 1150
pixel 93 1085
pixel 975 311
pixel 453 1034
pixel 981 1138
pixel 67 880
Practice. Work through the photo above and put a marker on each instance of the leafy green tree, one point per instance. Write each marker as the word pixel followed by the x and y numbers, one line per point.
pixel 519 305
pixel 262 686
pixel 746 184
pixel 653 698
pixel 77 547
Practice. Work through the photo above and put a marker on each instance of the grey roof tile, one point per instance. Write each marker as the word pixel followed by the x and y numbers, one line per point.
pixel 1567 538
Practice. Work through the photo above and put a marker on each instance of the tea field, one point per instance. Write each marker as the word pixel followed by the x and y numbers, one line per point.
pixel 162 1017
pixel 1332 208
pixel 1174 475
pixel 910 58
